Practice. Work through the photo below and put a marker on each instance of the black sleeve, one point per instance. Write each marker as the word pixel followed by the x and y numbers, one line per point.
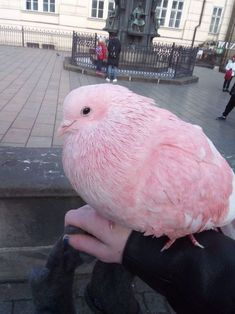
pixel 193 280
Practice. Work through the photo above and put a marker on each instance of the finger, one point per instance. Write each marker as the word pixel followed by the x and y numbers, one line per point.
pixel 88 220
pixel 72 217
pixel 89 245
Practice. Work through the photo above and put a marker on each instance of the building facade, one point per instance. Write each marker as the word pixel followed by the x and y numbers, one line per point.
pixel 182 21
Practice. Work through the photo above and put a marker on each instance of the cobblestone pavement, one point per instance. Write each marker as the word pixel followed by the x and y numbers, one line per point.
pixel 15 298
pixel 33 85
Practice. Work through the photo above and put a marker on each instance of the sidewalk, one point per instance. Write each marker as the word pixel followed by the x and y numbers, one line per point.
pixel 33 85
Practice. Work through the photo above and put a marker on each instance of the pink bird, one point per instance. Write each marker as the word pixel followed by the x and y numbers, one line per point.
pixel 141 166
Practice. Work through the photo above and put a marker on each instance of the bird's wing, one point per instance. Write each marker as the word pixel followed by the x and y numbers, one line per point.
pixel 185 188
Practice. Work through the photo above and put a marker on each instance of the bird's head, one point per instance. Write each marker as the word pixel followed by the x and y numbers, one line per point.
pixel 88 105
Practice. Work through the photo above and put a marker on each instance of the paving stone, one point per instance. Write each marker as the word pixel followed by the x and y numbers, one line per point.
pixel 48 109
pixel 28 113
pixel 14 291
pixel 32 104
pixel 42 130
pixel 23 307
pixel 7 116
pixel 39 141
pixel 57 141
pixel 16 136
pixel 46 118
pixel 23 123
pixel 4 126
pixel 6 307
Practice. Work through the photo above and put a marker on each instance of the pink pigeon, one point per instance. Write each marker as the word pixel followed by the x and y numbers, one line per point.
pixel 141 166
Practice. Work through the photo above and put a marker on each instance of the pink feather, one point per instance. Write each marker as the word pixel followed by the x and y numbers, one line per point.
pixel 141 166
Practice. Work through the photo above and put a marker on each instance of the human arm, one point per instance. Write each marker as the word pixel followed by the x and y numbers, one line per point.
pixel 193 280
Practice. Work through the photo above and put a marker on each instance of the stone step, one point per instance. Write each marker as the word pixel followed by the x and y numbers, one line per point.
pixel 34 197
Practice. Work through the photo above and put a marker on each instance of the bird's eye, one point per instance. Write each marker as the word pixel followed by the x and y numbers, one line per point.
pixel 85 111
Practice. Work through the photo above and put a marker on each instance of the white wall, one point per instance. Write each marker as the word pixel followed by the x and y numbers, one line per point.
pixel 75 15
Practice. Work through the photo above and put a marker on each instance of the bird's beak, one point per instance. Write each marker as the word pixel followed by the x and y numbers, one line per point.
pixel 64 127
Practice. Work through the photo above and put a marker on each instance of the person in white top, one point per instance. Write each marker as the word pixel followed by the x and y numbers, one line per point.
pixel 230 72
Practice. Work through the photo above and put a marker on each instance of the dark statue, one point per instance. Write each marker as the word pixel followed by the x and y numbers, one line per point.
pixel 112 22
pixel 135 22
pixel 138 18
pixel 156 23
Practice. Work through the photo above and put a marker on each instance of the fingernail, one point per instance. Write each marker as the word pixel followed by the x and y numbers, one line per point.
pixel 66 240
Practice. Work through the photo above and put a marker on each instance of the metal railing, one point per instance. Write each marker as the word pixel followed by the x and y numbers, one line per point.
pixel 159 60
pixel 35 37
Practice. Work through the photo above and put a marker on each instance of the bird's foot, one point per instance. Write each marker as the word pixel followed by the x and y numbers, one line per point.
pixel 191 237
pixel 217 229
pixel 167 245
pixel 194 241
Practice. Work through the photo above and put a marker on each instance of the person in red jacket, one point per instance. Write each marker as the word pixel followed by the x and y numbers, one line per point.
pixel 229 74
pixel 101 53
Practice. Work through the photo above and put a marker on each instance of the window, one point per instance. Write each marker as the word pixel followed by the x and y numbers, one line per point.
pixel 32 45
pixel 97 9
pixel 48 5
pixel 215 20
pixel 111 6
pixel 40 5
pixel 176 13
pixel 161 10
pixel 48 46
pixel 32 5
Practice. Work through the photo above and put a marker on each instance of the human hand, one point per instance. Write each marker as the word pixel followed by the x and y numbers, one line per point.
pixel 102 241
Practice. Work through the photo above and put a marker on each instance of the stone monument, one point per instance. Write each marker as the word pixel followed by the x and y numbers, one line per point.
pixel 135 22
